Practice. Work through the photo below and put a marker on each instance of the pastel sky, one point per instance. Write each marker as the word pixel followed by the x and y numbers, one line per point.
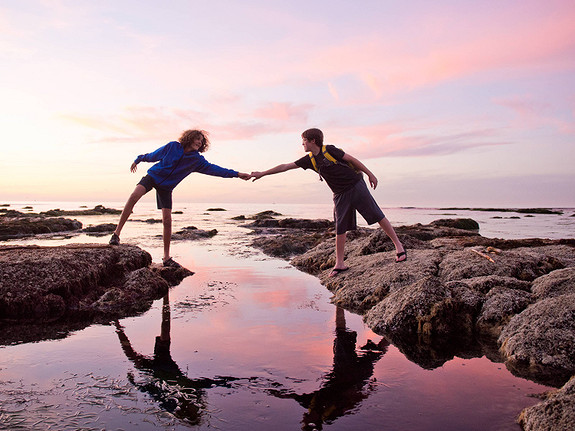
pixel 449 103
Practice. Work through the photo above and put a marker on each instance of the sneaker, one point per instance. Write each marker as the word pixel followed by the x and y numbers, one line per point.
pixel 115 240
pixel 172 263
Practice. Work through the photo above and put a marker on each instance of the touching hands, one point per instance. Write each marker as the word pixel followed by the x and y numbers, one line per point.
pixel 254 175
pixel 257 175
pixel 244 176
pixel 134 167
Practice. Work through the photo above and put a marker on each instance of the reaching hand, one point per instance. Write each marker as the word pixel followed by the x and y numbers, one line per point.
pixel 257 175
pixel 373 181
pixel 134 167
pixel 244 176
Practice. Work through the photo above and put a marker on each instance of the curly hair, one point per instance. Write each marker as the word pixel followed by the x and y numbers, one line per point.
pixel 189 136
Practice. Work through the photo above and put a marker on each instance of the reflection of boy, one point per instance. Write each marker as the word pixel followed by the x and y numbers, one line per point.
pixel 175 161
pixel 342 173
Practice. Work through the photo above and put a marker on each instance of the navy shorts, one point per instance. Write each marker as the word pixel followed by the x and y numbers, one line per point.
pixel 357 198
pixel 163 196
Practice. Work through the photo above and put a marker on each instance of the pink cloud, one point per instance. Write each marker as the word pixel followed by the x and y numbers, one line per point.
pixel 138 123
pixel 150 123
pixel 532 113
pixel 452 47
pixel 380 141
pixel 526 107
pixel 283 111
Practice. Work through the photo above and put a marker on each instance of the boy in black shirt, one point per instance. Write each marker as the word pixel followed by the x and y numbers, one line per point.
pixel 342 173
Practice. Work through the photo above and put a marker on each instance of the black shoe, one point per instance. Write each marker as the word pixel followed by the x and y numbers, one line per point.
pixel 398 257
pixel 115 240
pixel 172 263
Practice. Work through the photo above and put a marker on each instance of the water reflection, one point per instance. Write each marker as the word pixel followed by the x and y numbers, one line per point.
pixel 163 379
pixel 343 388
pixel 346 385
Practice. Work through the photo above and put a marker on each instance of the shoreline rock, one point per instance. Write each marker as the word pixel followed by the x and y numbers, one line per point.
pixel 192 233
pixel 81 284
pixel 22 227
pixel 556 412
pixel 97 210
pixel 516 210
pixel 16 224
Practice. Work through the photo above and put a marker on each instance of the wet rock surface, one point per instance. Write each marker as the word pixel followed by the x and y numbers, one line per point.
pixel 100 229
pixel 97 210
pixel 20 227
pixel 557 412
pixel 457 294
pixel 193 233
pixel 289 236
pixel 16 224
pixel 75 285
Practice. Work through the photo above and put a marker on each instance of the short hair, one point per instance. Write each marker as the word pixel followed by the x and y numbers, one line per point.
pixel 313 135
pixel 189 136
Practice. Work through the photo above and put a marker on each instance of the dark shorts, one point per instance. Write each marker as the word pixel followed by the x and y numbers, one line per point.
pixel 163 196
pixel 357 198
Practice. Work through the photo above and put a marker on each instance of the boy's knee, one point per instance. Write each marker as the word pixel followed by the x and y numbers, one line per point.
pixel 138 192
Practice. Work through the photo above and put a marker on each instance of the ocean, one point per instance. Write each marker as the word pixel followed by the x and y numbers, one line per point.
pixel 254 343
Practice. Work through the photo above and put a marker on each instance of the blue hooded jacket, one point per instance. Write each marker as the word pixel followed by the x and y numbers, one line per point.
pixel 174 165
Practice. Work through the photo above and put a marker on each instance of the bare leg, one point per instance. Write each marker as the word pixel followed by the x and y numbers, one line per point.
pixel 167 235
pixel 388 229
pixel 340 250
pixel 339 255
pixel 138 192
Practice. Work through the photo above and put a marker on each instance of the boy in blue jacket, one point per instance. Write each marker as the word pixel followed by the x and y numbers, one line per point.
pixel 343 174
pixel 176 160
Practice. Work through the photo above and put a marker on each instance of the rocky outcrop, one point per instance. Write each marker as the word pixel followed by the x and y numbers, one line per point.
pixel 104 228
pixel 557 412
pixel 193 233
pixel 15 224
pixel 540 341
pixel 97 210
pixel 289 236
pixel 499 306
pixel 291 244
pixel 556 283
pixel 87 282
pixel 427 308
pixel 12 228
pixel 458 223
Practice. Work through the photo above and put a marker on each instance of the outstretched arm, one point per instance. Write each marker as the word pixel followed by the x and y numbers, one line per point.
pixel 360 166
pixel 276 170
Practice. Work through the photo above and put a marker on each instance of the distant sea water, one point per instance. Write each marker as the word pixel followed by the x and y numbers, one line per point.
pixel 504 224
pixel 250 342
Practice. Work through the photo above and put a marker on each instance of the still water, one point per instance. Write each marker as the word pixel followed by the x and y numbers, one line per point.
pixel 246 343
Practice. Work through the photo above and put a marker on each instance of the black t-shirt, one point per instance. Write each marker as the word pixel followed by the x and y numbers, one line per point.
pixel 339 177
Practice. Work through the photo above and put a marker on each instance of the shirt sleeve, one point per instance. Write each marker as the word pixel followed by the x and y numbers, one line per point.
pixel 304 162
pixel 208 168
pixel 154 156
